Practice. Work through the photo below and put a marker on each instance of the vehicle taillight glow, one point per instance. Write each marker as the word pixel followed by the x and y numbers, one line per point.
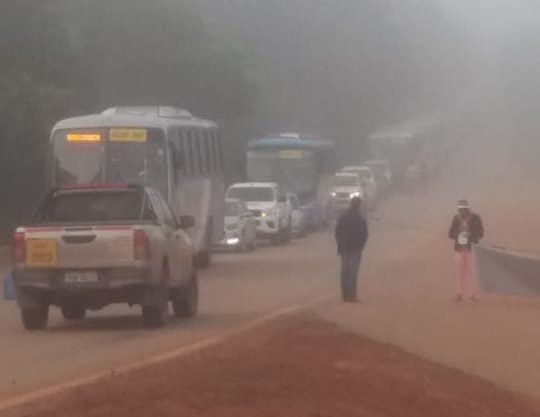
pixel 18 247
pixel 141 245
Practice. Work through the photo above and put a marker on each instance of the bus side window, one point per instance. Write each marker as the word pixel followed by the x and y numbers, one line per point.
pixel 215 155
pixel 209 152
pixel 202 153
pixel 219 152
pixel 179 158
pixel 190 154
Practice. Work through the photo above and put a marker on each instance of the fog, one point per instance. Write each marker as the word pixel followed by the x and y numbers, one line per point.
pixel 347 68
pixel 342 69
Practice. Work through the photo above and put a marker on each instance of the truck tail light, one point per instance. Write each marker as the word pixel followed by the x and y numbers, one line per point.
pixel 141 245
pixel 18 251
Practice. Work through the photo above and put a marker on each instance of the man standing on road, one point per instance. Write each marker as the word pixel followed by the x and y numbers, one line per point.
pixel 351 237
pixel 466 230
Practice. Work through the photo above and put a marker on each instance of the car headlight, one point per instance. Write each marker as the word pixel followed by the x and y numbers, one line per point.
pixel 233 241
pixel 269 212
pixel 333 194
pixel 355 194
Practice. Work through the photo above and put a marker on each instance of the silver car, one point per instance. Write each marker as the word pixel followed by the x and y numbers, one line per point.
pixel 240 228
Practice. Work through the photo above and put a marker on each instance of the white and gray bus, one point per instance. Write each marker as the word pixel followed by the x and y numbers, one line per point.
pixel 162 147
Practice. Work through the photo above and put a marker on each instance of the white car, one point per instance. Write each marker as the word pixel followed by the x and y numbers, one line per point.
pixel 367 180
pixel 269 204
pixel 240 230
pixel 94 245
pixel 345 186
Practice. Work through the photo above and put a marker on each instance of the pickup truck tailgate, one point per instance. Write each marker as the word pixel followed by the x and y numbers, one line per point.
pixel 79 247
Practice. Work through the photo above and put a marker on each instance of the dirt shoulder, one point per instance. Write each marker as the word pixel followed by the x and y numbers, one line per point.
pixel 296 367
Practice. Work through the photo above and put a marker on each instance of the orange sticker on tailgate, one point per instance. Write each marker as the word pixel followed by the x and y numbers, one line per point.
pixel 41 253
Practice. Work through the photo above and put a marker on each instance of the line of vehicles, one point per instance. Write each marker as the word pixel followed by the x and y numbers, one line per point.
pixel 138 202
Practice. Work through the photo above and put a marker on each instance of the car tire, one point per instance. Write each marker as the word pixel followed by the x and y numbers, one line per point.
pixel 35 318
pixel 252 247
pixel 185 301
pixel 287 233
pixel 73 311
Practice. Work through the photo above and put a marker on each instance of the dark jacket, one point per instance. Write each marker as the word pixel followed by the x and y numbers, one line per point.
pixel 476 230
pixel 351 232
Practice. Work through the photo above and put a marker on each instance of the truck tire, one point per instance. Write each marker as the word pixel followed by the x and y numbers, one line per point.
pixel 155 306
pixel 35 318
pixel 73 311
pixel 153 316
pixel 185 301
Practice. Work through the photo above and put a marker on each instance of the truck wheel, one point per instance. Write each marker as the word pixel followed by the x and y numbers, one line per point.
pixel 35 318
pixel 186 300
pixel 73 311
pixel 153 316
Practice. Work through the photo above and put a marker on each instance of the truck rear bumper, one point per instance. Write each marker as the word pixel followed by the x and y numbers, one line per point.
pixel 103 279
pixel 118 285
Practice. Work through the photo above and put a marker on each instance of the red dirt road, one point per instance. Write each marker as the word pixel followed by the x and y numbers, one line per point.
pixel 296 367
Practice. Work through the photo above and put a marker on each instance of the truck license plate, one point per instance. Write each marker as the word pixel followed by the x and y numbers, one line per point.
pixel 41 253
pixel 81 277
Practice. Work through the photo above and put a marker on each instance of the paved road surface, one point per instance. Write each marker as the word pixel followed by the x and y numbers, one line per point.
pixel 236 289
pixel 407 287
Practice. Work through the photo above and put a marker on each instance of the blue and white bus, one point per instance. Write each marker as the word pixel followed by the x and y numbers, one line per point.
pixel 301 164
pixel 160 147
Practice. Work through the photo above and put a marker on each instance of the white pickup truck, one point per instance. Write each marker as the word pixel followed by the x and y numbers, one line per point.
pixel 93 245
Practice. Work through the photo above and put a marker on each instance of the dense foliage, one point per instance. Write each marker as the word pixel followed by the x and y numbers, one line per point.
pixel 66 57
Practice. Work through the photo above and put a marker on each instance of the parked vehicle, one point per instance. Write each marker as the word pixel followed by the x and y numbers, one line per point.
pixel 93 245
pixel 165 148
pixel 346 186
pixel 268 203
pixel 367 180
pixel 240 228
pixel 299 217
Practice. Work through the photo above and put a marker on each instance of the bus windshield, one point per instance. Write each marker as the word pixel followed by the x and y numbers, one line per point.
pixel 85 157
pixel 296 170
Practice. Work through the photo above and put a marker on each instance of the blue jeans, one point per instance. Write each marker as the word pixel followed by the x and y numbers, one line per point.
pixel 350 262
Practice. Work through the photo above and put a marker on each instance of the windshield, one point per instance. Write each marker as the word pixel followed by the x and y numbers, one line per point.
pixel 128 155
pixel 93 206
pixel 232 209
pixel 346 181
pixel 252 193
pixel 139 162
pixel 363 173
pixel 79 156
pixel 296 170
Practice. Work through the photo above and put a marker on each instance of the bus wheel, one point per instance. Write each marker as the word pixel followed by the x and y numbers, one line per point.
pixel 203 259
